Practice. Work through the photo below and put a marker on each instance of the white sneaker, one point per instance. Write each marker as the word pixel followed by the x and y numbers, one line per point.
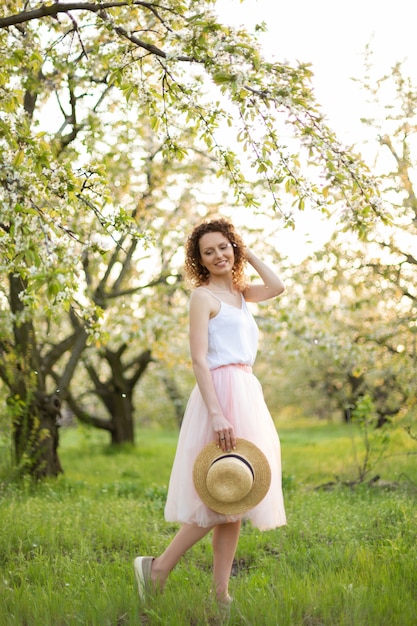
pixel 142 566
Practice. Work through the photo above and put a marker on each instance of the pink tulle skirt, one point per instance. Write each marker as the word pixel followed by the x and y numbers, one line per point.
pixel 242 401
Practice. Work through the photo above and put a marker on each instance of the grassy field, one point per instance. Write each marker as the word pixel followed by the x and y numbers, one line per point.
pixel 346 558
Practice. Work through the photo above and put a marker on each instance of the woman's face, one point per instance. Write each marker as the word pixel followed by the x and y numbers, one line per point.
pixel 216 253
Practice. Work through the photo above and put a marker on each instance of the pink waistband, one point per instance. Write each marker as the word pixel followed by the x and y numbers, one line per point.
pixel 242 366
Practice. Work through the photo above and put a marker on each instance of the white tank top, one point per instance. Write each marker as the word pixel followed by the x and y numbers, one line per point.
pixel 232 335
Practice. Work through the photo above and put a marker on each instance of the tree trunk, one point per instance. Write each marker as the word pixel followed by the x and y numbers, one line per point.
pixel 34 413
pixel 36 436
pixel 122 424
pixel 115 393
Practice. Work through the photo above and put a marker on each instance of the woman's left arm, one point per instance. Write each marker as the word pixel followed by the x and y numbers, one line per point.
pixel 272 286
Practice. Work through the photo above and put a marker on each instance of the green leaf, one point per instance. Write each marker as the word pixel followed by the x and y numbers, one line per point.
pixel 19 158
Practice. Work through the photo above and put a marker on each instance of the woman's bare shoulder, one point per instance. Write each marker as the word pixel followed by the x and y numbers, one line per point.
pixel 201 293
pixel 202 298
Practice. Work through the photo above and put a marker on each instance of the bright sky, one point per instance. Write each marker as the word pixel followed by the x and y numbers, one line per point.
pixel 332 36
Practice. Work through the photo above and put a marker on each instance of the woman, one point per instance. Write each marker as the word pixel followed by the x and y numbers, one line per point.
pixel 226 403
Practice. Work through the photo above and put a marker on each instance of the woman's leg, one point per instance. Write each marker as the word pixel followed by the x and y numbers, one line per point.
pixel 225 539
pixel 185 538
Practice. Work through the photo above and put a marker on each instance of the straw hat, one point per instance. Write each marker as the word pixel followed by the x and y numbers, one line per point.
pixel 231 482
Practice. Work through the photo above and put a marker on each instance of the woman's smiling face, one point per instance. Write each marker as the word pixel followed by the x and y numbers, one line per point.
pixel 216 253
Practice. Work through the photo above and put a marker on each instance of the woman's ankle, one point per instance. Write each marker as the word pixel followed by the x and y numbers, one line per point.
pixel 221 595
pixel 158 574
pixel 224 599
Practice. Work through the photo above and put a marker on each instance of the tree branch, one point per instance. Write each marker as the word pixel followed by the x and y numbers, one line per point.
pixel 52 10
pixel 88 418
pixel 125 266
pixel 61 7
pixel 57 351
pixel 69 370
pixel 403 171
pixel 142 362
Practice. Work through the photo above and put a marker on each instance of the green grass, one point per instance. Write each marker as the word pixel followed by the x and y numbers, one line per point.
pixel 346 558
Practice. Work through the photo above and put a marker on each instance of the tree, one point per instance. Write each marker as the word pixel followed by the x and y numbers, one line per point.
pixel 349 341
pixel 182 48
pixel 351 330
pixel 113 79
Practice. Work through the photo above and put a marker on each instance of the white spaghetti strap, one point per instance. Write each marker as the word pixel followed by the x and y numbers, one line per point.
pixel 214 296
pixel 217 298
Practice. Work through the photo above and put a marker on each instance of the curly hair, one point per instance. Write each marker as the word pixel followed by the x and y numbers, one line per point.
pixel 196 273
